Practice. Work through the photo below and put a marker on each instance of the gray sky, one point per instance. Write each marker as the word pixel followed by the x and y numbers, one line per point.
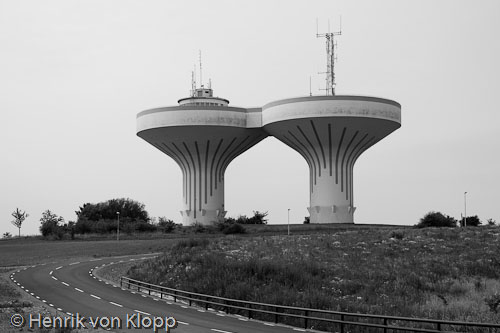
pixel 74 74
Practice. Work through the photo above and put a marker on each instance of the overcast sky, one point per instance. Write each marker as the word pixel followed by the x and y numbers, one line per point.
pixel 74 74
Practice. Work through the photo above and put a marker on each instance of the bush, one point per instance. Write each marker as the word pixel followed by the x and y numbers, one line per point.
pixel 493 302
pixel 436 219
pixel 472 221
pixel 7 235
pixel 166 225
pixel 257 218
pixel 234 228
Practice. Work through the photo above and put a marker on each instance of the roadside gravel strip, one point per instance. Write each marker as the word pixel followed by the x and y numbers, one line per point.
pixel 77 290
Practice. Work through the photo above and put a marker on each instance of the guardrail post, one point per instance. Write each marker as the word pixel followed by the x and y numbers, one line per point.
pixel 149 291
pixel 128 284
pixel 249 311
pixel 121 281
pixel 385 324
pixel 161 293
pixel 206 303
pixel 227 309
pixel 306 314
pixel 275 315
pixel 439 326
pixel 138 287
pixel 342 323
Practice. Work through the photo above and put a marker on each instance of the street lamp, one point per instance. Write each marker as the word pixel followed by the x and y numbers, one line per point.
pixel 288 221
pixel 465 209
pixel 118 229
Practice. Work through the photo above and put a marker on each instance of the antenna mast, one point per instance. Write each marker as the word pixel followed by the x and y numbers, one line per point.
pixel 193 82
pixel 331 46
pixel 201 73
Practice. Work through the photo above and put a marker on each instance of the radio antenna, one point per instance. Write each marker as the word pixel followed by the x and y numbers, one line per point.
pixel 201 73
pixel 331 58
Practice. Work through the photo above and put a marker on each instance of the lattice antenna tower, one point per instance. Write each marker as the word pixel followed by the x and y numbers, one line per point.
pixel 201 73
pixel 331 58
pixel 193 82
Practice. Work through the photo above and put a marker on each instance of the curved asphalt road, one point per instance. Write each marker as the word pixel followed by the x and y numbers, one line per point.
pixel 71 288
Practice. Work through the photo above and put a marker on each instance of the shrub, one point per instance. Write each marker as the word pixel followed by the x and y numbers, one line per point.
pixel 7 235
pixel 493 302
pixel 472 221
pixel 396 234
pixel 166 225
pixel 257 218
pixel 307 220
pixel 234 228
pixel 436 219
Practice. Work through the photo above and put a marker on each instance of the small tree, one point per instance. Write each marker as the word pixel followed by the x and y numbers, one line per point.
pixel 7 235
pixel 436 219
pixel 491 222
pixel 19 217
pixel 50 224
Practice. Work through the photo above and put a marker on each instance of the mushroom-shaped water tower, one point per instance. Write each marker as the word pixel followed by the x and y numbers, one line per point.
pixel 203 135
pixel 331 132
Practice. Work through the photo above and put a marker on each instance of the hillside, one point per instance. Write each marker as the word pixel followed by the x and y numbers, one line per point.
pixel 450 274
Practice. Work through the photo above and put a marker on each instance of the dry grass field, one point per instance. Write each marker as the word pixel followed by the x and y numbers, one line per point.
pixel 449 274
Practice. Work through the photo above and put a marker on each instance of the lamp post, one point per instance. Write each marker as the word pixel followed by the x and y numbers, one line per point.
pixel 288 221
pixel 118 228
pixel 465 209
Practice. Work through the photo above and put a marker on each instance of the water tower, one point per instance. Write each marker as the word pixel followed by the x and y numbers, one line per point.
pixel 331 132
pixel 203 135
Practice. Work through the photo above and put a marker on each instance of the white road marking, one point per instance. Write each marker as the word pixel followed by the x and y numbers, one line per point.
pixel 184 307
pixel 144 313
pixel 181 322
pixel 65 284
pixel 50 304
pixel 95 259
pixel 220 314
pixel 37 297
pixel 51 272
pixel 79 290
pixel 299 329
pixel 54 278
pixel 221 331
pixel 69 313
pixel 268 324
pixel 27 290
pixel 243 319
pixel 74 263
pixel 121 306
pixel 58 268
pixel 200 310
pixel 59 309
pixel 32 294
pixel 95 296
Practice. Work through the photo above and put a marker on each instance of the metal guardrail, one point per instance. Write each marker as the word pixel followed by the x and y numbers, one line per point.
pixel 342 319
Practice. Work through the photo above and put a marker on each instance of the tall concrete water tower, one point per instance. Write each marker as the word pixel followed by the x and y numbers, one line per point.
pixel 331 132
pixel 203 135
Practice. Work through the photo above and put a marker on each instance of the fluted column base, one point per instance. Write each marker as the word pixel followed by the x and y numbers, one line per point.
pixel 331 214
